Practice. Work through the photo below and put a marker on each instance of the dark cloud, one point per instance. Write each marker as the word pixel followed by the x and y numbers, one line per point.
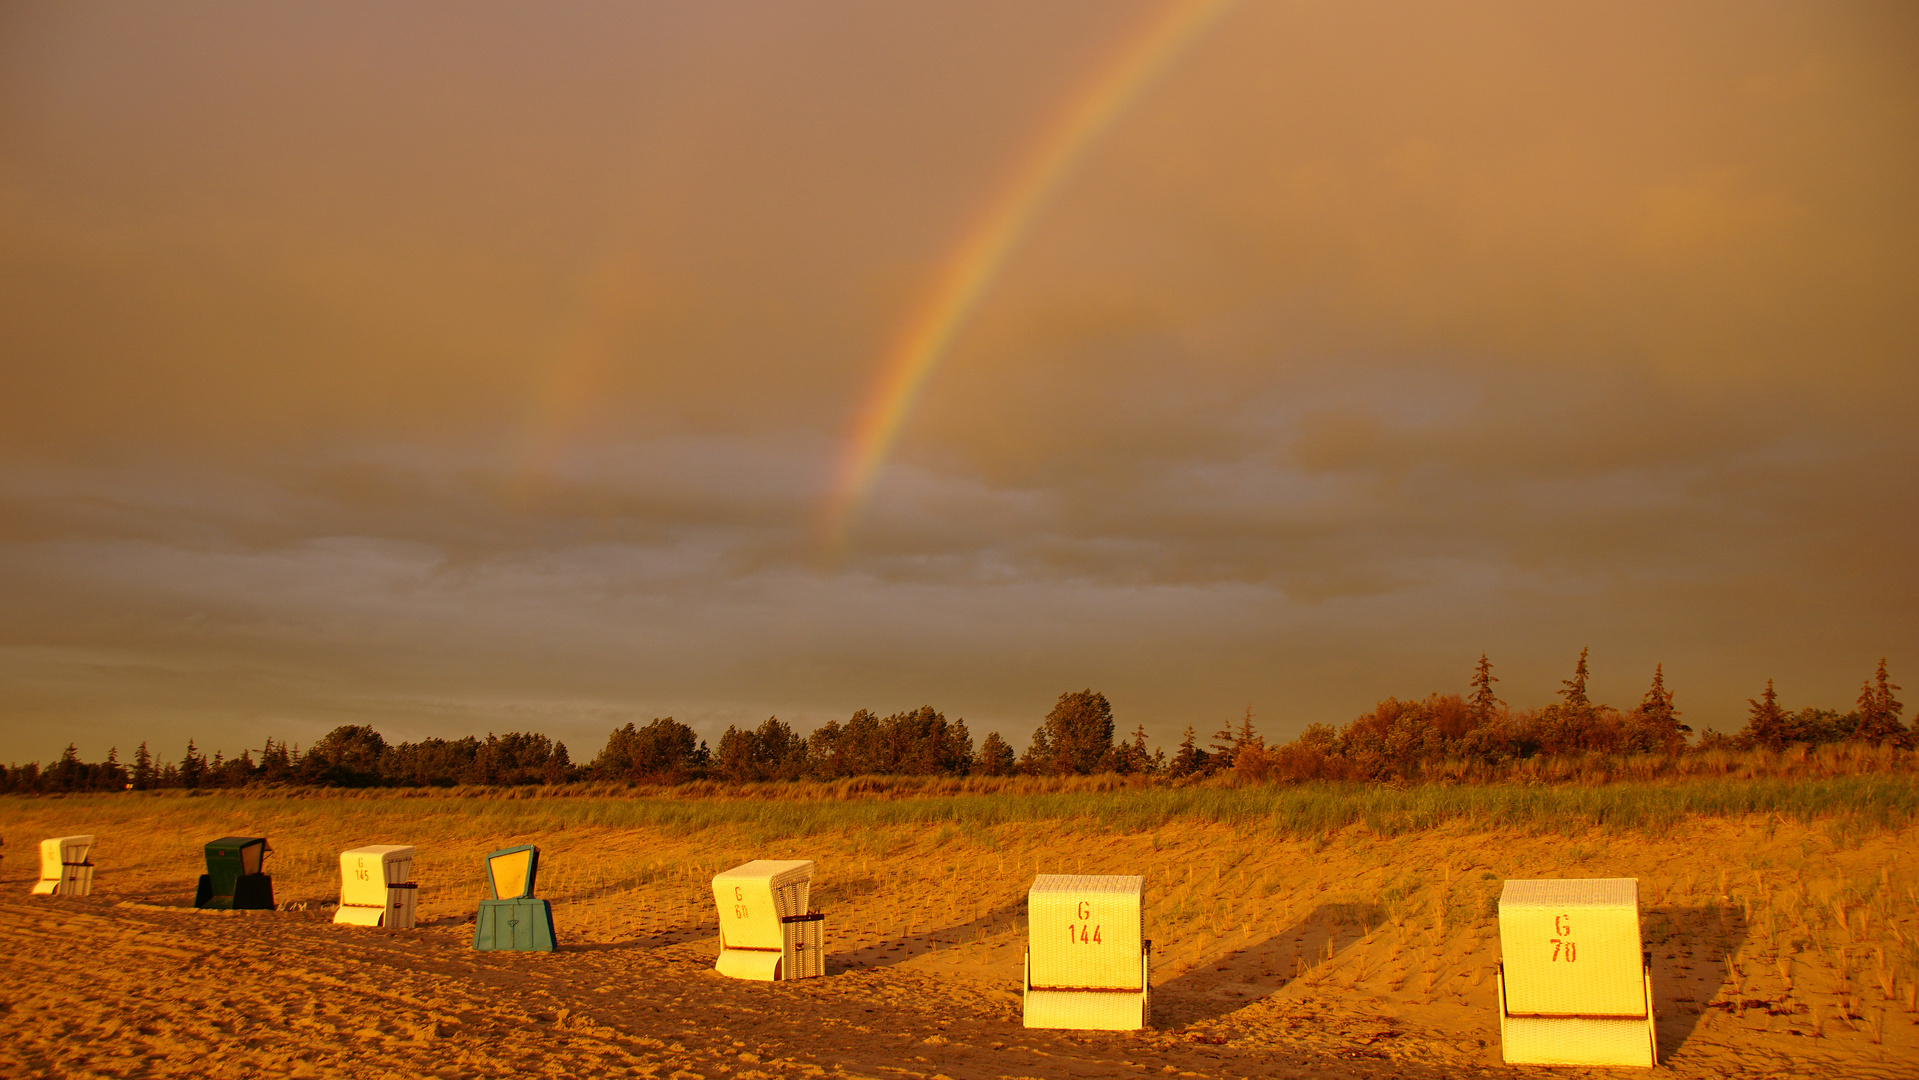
pixel 455 373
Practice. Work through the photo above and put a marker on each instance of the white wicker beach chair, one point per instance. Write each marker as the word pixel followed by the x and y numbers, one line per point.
pixel 64 869
pixel 376 887
pixel 766 932
pixel 1088 964
pixel 1574 986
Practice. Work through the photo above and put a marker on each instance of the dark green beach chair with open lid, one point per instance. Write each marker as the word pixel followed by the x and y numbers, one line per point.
pixel 511 919
pixel 234 880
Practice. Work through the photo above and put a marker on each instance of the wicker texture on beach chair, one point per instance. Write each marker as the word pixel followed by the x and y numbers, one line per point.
pixel 375 889
pixel 64 869
pixel 766 931
pixel 1087 960
pixel 1574 986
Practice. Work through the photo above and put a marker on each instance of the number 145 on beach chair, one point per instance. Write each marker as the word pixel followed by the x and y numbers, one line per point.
pixel 374 890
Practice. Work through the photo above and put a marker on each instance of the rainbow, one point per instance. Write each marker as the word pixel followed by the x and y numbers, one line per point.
pixel 972 265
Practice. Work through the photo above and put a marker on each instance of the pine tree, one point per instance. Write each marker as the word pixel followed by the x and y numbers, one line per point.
pixel 1190 759
pixel 1225 744
pixel 1766 725
pixel 1485 703
pixel 1879 711
pixel 1245 736
pixel 1575 687
pixel 193 767
pixel 65 775
pixel 1134 756
pixel 1655 722
pixel 142 768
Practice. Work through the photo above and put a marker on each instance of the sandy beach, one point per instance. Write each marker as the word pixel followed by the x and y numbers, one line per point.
pixel 1780 949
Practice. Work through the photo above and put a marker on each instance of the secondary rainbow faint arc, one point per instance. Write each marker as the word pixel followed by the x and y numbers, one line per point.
pixel 971 266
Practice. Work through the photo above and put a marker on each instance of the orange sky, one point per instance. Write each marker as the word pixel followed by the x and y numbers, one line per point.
pixel 478 367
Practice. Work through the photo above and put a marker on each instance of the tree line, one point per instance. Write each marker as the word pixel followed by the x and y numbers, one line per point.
pixel 1396 740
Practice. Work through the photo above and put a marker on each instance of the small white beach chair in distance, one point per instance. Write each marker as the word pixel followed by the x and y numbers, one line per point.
pixel 766 932
pixel 1088 963
pixel 375 887
pixel 1574 986
pixel 64 869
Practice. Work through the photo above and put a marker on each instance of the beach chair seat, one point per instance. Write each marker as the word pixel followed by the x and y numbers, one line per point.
pixel 235 879
pixel 64 869
pixel 1088 964
pixel 1575 987
pixel 375 887
pixel 766 932
pixel 511 919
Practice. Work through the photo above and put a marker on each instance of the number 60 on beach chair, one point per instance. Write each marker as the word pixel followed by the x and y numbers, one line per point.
pixel 766 933
pixel 1088 965
pixel 1574 987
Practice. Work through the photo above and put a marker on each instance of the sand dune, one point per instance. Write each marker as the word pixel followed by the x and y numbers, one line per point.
pixel 1779 949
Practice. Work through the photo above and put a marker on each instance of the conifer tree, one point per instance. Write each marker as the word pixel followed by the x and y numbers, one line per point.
pixel 67 773
pixel 1655 721
pixel 1134 756
pixel 142 768
pixel 193 767
pixel 1879 711
pixel 1245 736
pixel 1225 745
pixel 1575 687
pixel 1766 724
pixel 1190 759
pixel 1485 703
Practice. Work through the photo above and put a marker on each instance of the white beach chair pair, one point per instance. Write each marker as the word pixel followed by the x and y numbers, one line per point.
pixel 1574 986
pixel 1087 966
pixel 64 869
pixel 376 887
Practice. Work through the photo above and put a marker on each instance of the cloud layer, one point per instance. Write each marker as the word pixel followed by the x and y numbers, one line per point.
pixel 359 371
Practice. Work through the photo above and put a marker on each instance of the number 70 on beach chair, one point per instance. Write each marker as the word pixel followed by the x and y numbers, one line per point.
pixel 1574 987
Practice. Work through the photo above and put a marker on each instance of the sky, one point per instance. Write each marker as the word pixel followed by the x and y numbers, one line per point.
pixel 456 368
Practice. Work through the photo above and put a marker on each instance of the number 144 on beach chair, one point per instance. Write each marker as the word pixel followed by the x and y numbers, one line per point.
pixel 1088 964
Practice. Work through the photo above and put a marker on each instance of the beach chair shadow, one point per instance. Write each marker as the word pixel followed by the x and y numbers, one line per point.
pixel 651 942
pixel 1690 967
pixel 1248 974
pixel 906 947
